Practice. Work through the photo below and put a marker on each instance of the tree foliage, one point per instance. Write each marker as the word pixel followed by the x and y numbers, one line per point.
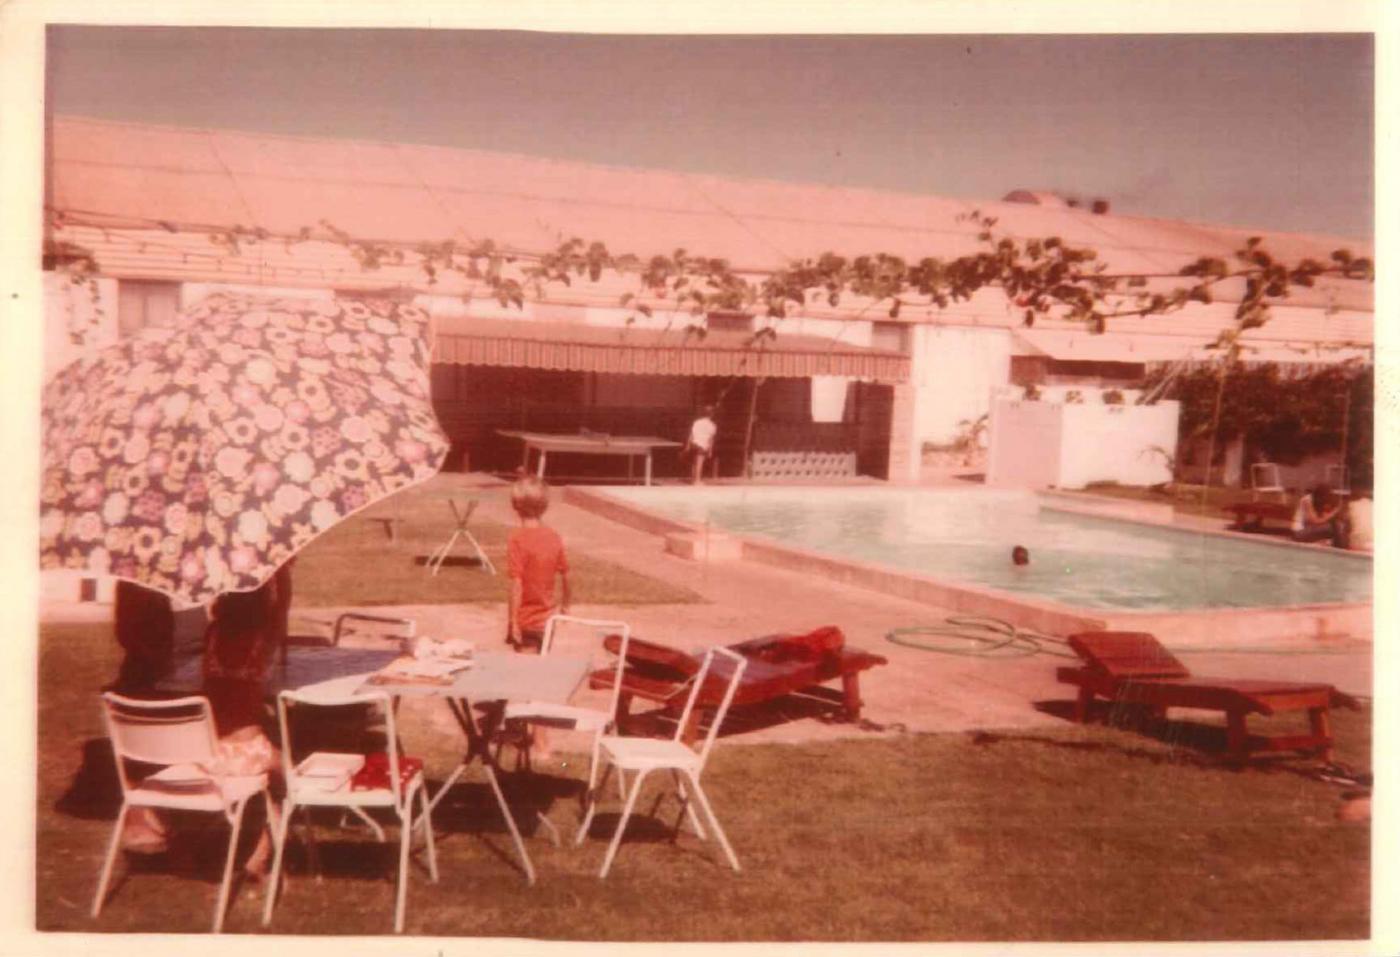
pixel 1282 416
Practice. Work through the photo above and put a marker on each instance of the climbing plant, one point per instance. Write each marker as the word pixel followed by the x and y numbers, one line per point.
pixel 1040 276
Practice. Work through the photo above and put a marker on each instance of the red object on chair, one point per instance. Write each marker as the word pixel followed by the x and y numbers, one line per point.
pixel 374 773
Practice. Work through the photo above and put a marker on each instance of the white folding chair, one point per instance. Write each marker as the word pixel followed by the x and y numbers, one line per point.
pixel 1265 479
pixel 522 715
pixel 178 735
pixel 323 779
pixel 644 755
pixel 405 629
pixel 462 517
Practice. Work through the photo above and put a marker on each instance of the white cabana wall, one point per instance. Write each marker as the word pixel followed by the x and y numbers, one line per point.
pixel 954 370
pixel 1036 444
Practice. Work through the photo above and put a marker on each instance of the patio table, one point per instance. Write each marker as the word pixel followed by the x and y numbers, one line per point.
pixel 493 679
pixel 303 666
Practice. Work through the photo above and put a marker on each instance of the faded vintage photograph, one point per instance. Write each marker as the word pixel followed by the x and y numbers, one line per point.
pixel 641 487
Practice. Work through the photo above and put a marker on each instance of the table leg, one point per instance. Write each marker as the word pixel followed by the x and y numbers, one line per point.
pixel 479 746
pixel 540 473
pixel 525 465
pixel 647 480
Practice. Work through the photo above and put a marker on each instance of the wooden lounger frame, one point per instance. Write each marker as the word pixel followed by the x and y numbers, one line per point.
pixel 1132 668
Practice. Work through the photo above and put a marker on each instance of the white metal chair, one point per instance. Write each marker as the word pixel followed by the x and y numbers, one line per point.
pixel 179 736
pixel 644 755
pixel 323 779
pixel 406 628
pixel 1265 479
pixel 573 717
pixel 1339 479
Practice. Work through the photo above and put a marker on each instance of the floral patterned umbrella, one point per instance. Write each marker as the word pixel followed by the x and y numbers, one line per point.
pixel 197 459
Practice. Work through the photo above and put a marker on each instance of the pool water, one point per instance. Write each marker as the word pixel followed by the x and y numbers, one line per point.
pixel 967 536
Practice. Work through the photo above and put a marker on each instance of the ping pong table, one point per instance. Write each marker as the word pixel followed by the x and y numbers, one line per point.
pixel 591 443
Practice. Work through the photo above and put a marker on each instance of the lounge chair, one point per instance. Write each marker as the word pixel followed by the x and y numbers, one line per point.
pixel 1132 668
pixel 1251 516
pixel 777 665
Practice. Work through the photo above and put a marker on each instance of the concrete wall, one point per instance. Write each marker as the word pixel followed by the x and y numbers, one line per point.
pixel 906 456
pixel 1040 444
pixel 1023 443
pixel 1114 443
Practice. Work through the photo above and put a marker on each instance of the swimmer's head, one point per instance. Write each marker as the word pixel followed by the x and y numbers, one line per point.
pixel 1019 555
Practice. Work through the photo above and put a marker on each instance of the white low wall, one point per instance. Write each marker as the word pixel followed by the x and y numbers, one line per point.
pixel 1046 444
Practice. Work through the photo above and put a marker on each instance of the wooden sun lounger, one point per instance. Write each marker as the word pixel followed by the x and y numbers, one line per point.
pixel 777 665
pixel 1132 668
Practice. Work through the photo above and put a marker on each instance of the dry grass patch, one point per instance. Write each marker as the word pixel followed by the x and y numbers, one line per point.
pixel 356 563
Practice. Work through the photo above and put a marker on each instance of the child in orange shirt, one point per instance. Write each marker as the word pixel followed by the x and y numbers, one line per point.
pixel 534 557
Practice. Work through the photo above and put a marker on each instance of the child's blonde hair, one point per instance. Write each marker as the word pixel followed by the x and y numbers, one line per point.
pixel 529 496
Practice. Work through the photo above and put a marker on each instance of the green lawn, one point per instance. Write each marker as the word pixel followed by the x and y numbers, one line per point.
pixel 355 563
pixel 1078 833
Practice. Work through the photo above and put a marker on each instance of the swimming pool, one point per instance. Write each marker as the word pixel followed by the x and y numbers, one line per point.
pixel 966 536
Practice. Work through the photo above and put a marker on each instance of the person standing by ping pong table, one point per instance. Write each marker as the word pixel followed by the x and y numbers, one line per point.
pixel 700 445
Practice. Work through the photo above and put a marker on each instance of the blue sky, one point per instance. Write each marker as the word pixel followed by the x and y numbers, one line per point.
pixel 1268 131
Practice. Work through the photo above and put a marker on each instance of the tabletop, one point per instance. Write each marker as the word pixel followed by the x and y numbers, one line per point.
pixel 493 676
pixel 304 666
pixel 619 444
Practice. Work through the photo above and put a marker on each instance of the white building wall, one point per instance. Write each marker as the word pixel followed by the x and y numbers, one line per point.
pixel 1023 444
pixel 70 307
pixel 1117 443
pixel 954 371
pixel 1037 444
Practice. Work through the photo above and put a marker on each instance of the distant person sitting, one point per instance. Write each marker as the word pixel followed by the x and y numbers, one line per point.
pixel 700 446
pixel 1020 556
pixel 1321 516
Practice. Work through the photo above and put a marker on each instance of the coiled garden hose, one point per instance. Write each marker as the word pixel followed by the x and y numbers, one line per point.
pixel 979 637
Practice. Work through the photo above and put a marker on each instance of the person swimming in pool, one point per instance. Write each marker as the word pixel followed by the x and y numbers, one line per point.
pixel 1020 555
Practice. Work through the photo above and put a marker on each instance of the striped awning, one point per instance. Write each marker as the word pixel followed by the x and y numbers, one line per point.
pixel 577 347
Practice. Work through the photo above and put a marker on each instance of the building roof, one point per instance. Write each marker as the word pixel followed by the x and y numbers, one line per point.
pixel 127 191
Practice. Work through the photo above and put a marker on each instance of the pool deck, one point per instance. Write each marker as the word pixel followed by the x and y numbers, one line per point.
pixel 918 691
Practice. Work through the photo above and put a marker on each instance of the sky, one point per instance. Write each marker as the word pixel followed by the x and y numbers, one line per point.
pixel 1267 131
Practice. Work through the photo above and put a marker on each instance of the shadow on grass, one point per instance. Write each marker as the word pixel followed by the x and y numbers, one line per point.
pixel 94 793
pixel 1189 743
pixel 825 705
pixel 451 561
